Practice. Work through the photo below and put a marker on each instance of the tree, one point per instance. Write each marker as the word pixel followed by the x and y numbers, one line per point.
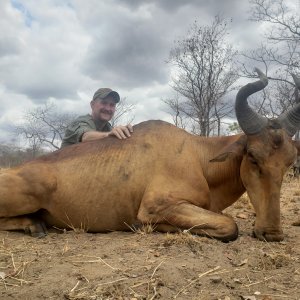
pixel 11 155
pixel 44 127
pixel 203 75
pixel 279 53
pixel 179 119
pixel 123 113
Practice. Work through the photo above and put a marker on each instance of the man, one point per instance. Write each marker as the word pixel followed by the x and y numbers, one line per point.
pixel 96 125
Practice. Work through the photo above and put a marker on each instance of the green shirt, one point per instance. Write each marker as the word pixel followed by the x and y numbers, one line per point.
pixel 78 127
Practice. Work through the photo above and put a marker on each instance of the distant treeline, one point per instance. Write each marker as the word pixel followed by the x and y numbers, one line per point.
pixel 11 155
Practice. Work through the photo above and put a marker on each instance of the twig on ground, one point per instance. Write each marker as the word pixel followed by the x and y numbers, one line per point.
pixel 148 289
pixel 9 284
pixel 195 280
pixel 139 284
pixel 19 279
pixel 76 285
pixel 274 295
pixel 110 282
pixel 155 293
pixel 99 259
pixel 13 261
pixel 257 282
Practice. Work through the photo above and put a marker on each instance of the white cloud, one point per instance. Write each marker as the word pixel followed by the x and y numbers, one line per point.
pixel 62 51
pixel 50 50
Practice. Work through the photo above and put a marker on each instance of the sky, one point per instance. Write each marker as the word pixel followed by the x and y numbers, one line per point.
pixel 62 51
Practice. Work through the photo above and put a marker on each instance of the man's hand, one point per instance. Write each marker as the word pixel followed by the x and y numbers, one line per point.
pixel 122 132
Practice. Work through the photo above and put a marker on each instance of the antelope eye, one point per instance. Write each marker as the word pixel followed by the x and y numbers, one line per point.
pixel 252 158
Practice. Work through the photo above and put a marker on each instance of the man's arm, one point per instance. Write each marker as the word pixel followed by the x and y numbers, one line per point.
pixel 121 132
pixel 93 135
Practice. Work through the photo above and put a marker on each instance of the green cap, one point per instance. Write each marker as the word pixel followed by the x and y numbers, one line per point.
pixel 104 92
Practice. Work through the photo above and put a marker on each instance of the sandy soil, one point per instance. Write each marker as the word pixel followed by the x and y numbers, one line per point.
pixel 141 265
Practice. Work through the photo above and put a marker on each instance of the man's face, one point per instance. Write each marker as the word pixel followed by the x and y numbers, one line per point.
pixel 103 109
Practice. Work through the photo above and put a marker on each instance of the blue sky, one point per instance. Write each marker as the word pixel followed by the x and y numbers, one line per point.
pixel 26 14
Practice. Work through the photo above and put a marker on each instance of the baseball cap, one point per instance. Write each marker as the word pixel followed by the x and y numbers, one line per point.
pixel 104 92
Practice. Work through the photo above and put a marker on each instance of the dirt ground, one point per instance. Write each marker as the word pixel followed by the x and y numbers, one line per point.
pixel 141 265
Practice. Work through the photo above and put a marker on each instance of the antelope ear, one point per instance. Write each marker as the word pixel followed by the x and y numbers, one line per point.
pixel 236 149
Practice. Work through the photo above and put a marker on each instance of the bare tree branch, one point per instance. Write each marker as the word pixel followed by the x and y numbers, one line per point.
pixel 123 113
pixel 44 127
pixel 204 74
pixel 279 54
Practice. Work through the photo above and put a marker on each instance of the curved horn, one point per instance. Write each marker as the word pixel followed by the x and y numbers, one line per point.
pixel 250 121
pixel 290 120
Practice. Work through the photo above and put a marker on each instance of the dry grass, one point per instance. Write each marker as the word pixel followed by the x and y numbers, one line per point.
pixel 181 238
pixel 272 261
pixel 13 266
pixel 142 229
pixel 123 284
